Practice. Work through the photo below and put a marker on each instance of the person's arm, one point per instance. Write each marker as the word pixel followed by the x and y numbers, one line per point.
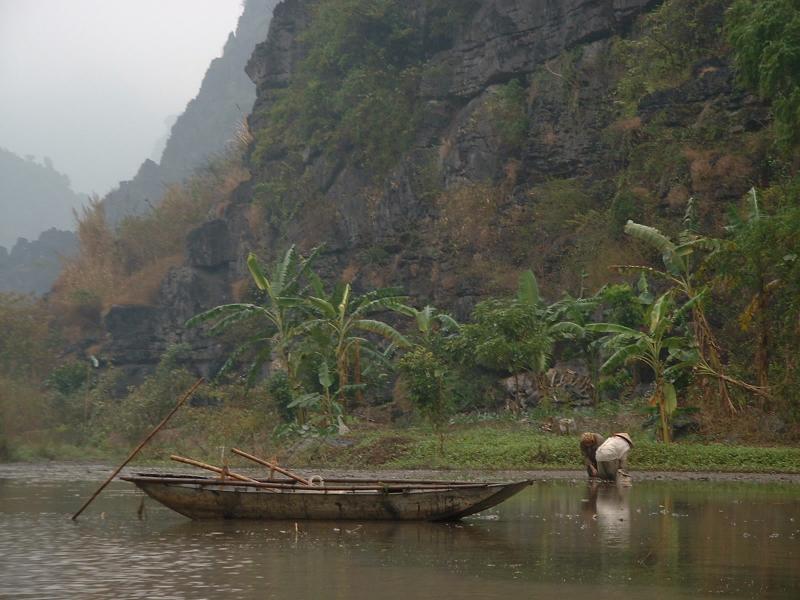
pixel 587 460
pixel 623 462
pixel 591 471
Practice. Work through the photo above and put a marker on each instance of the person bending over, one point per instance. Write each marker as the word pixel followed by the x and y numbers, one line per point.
pixel 590 442
pixel 612 456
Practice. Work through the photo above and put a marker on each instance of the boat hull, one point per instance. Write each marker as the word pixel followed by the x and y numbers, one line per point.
pixel 209 500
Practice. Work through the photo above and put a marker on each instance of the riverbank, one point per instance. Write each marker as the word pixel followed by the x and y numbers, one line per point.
pixel 97 471
pixel 499 449
pixel 476 448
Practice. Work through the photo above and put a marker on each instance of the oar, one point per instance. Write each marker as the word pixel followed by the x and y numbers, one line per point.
pixel 224 472
pixel 185 397
pixel 261 461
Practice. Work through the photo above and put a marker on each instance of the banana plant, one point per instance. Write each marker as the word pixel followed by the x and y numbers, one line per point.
pixel 429 320
pixel 344 319
pixel 682 262
pixel 560 317
pixel 274 323
pixel 324 404
pixel 667 356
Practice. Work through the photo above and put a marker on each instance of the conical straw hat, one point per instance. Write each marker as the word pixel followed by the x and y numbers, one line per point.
pixel 625 437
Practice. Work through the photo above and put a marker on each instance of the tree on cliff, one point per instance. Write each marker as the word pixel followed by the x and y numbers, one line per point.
pixel 766 36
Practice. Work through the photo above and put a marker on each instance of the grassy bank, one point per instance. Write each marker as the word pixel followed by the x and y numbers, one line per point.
pixel 475 447
pixel 491 448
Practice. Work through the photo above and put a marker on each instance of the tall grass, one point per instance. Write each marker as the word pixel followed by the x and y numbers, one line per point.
pixel 128 264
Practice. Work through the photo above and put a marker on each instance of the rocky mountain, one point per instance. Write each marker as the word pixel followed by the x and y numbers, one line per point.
pixel 209 123
pixel 33 197
pixel 31 267
pixel 516 134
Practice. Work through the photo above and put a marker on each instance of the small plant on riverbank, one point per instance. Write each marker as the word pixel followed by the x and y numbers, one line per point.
pixel 425 377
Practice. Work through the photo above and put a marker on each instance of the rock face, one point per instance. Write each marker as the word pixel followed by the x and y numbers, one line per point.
pixel 417 217
pixel 468 206
pixel 513 37
pixel 36 204
pixel 137 196
pixel 210 245
pixel 140 335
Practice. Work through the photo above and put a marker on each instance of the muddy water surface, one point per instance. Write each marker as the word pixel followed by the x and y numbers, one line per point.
pixel 655 540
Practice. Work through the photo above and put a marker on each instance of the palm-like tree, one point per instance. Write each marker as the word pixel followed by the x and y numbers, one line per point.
pixel 560 316
pixel 681 261
pixel 343 318
pixel 666 356
pixel 275 321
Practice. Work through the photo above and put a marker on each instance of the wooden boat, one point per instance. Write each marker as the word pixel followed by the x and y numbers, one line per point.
pixel 336 499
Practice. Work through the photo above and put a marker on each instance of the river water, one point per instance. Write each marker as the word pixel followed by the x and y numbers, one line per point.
pixel 654 540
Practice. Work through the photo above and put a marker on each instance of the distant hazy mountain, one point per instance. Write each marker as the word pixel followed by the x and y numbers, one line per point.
pixel 209 122
pixel 32 267
pixel 33 197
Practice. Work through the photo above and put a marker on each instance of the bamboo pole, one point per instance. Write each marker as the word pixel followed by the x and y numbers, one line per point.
pixel 223 471
pixel 138 448
pixel 272 466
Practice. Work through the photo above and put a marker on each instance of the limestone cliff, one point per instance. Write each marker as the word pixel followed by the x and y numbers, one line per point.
pixel 527 151
pixel 472 201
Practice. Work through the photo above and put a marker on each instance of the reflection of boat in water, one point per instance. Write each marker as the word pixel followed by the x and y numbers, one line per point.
pixel 342 499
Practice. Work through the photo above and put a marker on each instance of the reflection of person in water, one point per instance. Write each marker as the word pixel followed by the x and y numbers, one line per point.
pixel 609 507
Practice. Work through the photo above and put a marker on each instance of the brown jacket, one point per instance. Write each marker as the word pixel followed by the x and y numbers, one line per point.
pixel 590 450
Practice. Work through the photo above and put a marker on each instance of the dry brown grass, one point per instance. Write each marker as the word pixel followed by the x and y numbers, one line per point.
pixel 677 197
pixel 715 175
pixel 23 408
pixel 129 264
pixel 751 425
pixel 142 286
pixel 376 277
pixel 350 273
pixel 240 289
pixel 626 125
pixel 467 215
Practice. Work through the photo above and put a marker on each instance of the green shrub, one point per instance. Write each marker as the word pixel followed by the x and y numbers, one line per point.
pixel 766 38
pixel 425 378
pixel 665 44
pixel 279 390
pixel 508 112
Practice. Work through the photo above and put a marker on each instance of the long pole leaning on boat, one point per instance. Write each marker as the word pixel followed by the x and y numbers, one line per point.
pixel 138 448
pixel 272 466
pixel 220 471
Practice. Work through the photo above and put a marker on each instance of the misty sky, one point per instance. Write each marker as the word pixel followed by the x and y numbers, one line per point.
pixel 90 83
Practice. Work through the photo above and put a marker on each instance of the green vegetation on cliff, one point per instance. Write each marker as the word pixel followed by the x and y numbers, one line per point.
pixel 356 91
pixel 766 36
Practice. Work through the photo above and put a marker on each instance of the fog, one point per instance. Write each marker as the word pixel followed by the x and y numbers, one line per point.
pixel 91 84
